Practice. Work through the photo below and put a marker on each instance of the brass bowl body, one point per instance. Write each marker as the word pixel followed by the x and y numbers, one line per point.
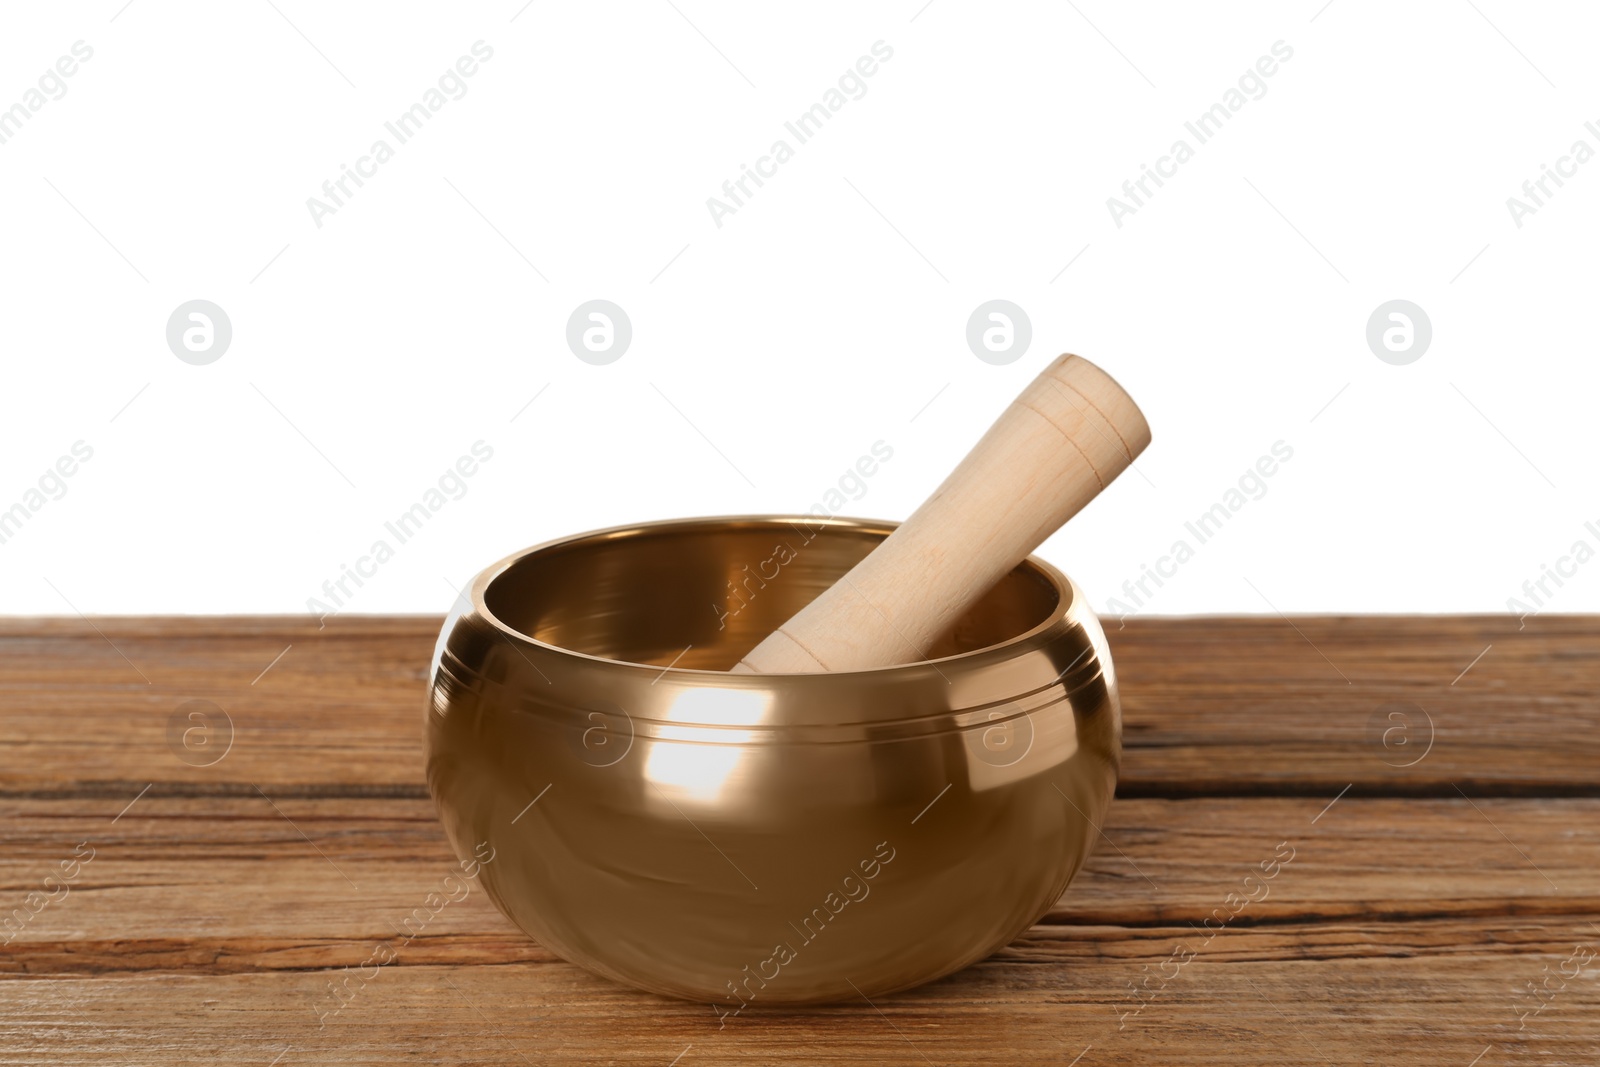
pixel 753 839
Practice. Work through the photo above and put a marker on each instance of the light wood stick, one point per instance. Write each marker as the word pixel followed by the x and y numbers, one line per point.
pixel 1062 441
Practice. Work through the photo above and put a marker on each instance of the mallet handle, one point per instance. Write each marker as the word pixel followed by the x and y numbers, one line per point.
pixel 1062 441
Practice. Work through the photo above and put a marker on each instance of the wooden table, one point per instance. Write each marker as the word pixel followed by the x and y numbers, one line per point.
pixel 1425 791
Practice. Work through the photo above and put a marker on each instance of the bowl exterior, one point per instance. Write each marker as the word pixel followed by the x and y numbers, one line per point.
pixel 747 840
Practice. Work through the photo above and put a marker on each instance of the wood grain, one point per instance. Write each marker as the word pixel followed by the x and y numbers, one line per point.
pixel 1276 705
pixel 1252 705
pixel 221 901
pixel 349 870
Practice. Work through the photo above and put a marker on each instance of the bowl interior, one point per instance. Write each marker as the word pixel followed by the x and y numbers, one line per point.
pixel 717 587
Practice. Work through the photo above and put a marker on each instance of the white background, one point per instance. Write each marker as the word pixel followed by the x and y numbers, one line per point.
pixel 828 313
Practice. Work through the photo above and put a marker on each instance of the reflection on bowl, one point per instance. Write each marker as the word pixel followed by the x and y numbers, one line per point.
pixel 752 839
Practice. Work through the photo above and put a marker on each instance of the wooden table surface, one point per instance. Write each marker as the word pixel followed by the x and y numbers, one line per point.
pixel 1431 783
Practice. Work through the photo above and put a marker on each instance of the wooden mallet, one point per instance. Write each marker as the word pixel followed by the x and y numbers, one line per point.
pixel 1068 434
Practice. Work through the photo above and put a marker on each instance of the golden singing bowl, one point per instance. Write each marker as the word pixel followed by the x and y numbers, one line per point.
pixel 751 839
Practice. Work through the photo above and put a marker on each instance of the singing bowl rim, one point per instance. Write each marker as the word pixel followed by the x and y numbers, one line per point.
pixel 1069 602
